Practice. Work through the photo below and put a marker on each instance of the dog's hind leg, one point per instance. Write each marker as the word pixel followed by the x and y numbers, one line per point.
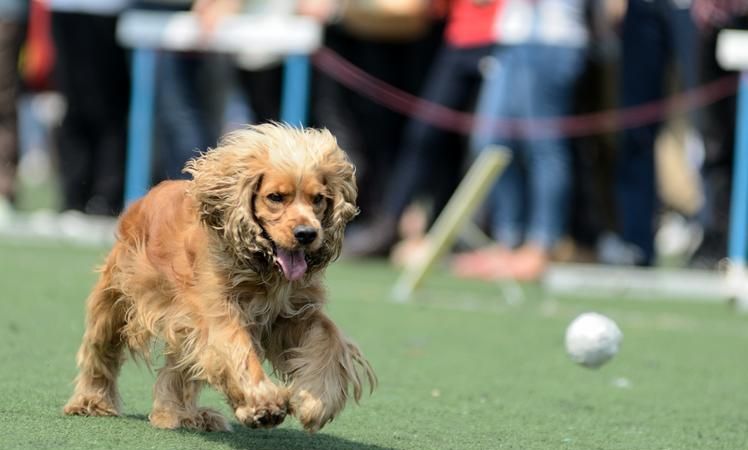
pixel 175 402
pixel 100 355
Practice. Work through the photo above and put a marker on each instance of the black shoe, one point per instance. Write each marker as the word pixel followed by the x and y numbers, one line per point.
pixel 711 252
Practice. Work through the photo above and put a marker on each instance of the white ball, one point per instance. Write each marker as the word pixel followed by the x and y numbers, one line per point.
pixel 592 339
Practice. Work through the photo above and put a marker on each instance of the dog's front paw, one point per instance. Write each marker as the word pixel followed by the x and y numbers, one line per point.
pixel 311 411
pixel 266 406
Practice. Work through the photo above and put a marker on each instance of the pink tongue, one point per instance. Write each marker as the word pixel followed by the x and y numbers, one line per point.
pixel 292 263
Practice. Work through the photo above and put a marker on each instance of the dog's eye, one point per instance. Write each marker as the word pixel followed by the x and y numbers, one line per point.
pixel 318 199
pixel 275 197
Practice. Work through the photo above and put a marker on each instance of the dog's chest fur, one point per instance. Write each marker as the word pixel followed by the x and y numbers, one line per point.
pixel 264 305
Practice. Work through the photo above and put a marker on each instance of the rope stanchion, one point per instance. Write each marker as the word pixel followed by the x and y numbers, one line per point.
pixel 344 72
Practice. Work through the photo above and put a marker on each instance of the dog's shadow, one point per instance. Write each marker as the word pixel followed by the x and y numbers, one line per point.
pixel 278 439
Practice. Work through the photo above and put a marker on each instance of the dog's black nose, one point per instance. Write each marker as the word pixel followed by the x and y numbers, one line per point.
pixel 305 234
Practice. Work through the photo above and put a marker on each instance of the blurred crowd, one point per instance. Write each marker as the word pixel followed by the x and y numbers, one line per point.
pixel 636 193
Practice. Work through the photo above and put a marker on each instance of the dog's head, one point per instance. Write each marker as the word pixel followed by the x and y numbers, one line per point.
pixel 277 194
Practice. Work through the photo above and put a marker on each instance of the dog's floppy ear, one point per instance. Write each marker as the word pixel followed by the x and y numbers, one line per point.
pixel 224 182
pixel 340 178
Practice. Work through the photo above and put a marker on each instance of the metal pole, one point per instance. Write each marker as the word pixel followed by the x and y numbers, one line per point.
pixel 295 95
pixel 140 130
pixel 738 244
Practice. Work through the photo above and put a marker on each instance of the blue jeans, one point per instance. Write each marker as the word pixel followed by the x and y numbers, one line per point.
pixel 529 81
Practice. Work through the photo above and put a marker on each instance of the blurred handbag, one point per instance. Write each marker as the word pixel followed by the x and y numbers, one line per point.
pixel 386 20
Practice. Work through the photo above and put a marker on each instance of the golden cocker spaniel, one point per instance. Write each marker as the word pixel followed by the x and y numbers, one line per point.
pixel 227 270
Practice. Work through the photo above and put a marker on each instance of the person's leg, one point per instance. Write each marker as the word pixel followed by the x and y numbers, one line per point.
pixel 505 203
pixel 643 64
pixel 503 89
pixel 492 105
pixel 10 44
pixel 179 111
pixel 422 149
pixel 684 42
pixel 380 127
pixel 330 105
pixel 552 73
pixel 262 88
pixel 446 86
pixel 110 97
pixel 72 77
pixel 448 168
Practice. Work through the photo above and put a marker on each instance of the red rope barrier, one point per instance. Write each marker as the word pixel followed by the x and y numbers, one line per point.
pixel 356 79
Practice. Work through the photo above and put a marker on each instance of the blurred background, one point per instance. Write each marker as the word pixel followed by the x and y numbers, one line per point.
pixel 619 119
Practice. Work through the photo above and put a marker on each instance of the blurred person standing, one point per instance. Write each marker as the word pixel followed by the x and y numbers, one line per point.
pixel 655 33
pixel 259 74
pixel 541 53
pixel 194 87
pixel 387 39
pixel 92 74
pixel 393 41
pixel 13 15
pixel 189 91
pixel 430 158
pixel 716 123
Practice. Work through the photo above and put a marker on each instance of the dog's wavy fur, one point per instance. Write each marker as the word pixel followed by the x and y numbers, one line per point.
pixel 195 267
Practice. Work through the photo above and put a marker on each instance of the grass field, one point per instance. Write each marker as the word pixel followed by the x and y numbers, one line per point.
pixel 464 366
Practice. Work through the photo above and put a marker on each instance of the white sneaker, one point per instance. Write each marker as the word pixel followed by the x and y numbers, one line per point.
pixel 7 212
pixel 677 238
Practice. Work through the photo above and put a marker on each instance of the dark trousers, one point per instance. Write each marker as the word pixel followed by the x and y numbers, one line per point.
pixel 10 43
pixel 92 74
pixel 371 133
pixel 431 158
pixel 654 34
pixel 262 90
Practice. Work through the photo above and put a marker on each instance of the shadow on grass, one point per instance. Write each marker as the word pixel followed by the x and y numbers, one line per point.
pixel 285 439
pixel 277 439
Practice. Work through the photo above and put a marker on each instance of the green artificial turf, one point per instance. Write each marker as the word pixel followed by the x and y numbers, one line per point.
pixel 464 366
